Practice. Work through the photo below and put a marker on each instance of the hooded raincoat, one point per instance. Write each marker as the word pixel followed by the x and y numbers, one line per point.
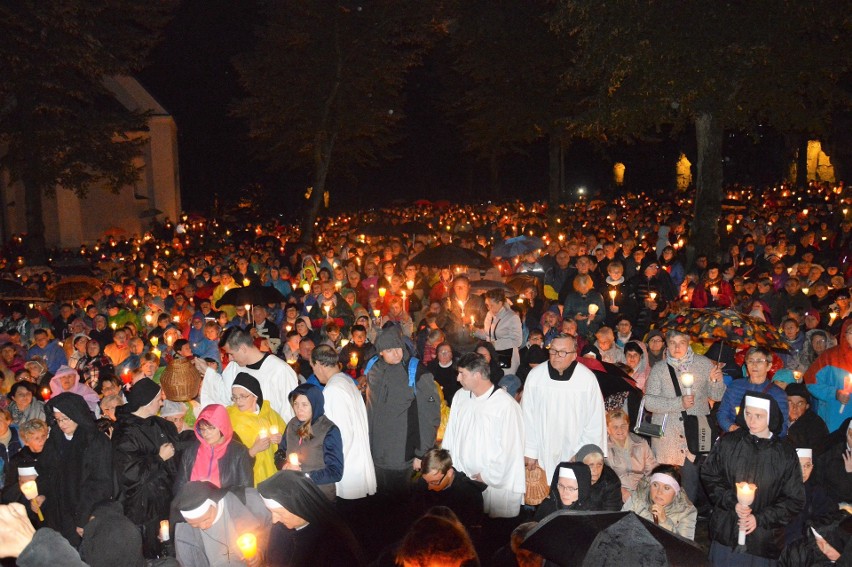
pixel 827 375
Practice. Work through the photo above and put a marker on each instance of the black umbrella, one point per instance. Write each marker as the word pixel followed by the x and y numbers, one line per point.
pixel 570 538
pixel 448 255
pixel 251 295
pixel 11 290
pixel 481 286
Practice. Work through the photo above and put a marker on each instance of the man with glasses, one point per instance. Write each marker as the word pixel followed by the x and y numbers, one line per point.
pixel 563 408
pixel 441 484
pixel 806 429
pixel 757 362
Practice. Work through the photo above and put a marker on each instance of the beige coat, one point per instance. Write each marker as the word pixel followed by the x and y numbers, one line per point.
pixel 681 514
pixel 632 463
pixel 660 399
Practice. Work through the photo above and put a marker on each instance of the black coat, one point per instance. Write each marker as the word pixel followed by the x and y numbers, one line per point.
pixel 236 468
pixel 818 506
pixel 145 480
pixel 75 474
pixel 831 472
pixel 808 431
pixel 773 466
pixel 606 492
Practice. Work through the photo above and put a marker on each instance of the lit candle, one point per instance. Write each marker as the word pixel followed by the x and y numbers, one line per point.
pixel 831 317
pixel 169 340
pixel 176 318
pixel 273 430
pixel 382 292
pixel 410 285
pixel 797 375
pixel 246 282
pixel 653 295
pixel 262 434
pixel 687 380
pixel 737 410
pixel 45 394
pixel 805 290
pixel 293 459
pixel 306 287
pixel 114 326
pixel 164 530
pixel 30 492
pixel 157 352
pixel 471 320
pixel 353 360
pixel 612 294
pixel 847 388
pixel 714 291
pixel 593 309
pixel 376 313
pixel 327 308
pixel 248 545
pixel 745 496
pixel 148 318
pixel 337 285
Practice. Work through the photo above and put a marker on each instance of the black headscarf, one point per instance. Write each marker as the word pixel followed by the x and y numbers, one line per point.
pixel 250 383
pixel 196 492
pixel 584 486
pixel 141 394
pixel 74 407
pixel 111 539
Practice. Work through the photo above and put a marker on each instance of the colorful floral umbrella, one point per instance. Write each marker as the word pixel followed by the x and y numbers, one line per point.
pixel 725 325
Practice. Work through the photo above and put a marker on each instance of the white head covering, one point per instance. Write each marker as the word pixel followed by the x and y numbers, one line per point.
pixel 566 472
pixel 805 453
pixel 196 513
pixel 759 403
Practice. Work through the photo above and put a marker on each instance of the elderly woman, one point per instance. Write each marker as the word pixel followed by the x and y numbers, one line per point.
pixel 569 490
pixel 252 418
pixel 307 530
pixel 75 467
pixel 66 379
pixel 24 406
pixel 636 357
pixel 605 493
pixel 629 455
pixel 502 328
pixel 755 454
pixel 93 367
pixel 660 499
pixel 666 395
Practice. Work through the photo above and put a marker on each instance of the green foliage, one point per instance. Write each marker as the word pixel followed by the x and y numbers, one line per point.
pixel 327 77
pixel 58 124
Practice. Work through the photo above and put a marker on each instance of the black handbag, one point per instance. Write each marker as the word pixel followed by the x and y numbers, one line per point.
pixel 645 427
pixel 698 434
pixel 504 357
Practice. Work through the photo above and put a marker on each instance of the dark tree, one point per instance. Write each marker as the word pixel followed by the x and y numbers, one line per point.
pixel 325 84
pixel 711 65
pixel 59 125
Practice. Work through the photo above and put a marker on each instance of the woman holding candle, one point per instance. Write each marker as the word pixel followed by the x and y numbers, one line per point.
pixel 659 498
pixel 503 330
pixel 252 417
pixel 662 398
pixel 752 455
pixel 829 379
pixel 312 443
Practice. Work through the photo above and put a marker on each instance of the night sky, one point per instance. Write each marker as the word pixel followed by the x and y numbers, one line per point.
pixel 192 76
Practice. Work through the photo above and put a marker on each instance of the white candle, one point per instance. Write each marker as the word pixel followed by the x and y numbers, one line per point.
pixel 687 380
pixel 273 430
pixel 262 434
pixel 847 388
pixel 612 294
pixel 293 459
pixel 164 530
pixel 745 496
pixel 593 309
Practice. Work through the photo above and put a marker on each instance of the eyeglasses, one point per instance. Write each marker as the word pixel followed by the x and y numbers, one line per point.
pixel 205 428
pixel 560 353
pixel 758 361
pixel 436 482
pixel 564 488
pixel 63 419
pixel 240 398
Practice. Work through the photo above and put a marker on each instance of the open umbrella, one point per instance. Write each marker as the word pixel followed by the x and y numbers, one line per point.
pixel 74 287
pixel 414 227
pixel 447 255
pixel 30 271
pixel 251 295
pixel 519 282
pixel 725 325
pixel 569 538
pixel 11 290
pixel 517 246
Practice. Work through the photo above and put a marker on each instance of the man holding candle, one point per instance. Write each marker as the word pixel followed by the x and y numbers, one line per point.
pixel 144 447
pixel 752 455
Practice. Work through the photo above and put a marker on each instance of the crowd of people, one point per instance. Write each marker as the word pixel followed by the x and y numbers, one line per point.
pixel 370 403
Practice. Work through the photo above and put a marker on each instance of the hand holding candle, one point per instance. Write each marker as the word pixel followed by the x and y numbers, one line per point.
pixel 164 530
pixel 847 388
pixel 30 492
pixel 745 497
pixel 248 545
pixel 593 309
pixel 687 380
pixel 612 294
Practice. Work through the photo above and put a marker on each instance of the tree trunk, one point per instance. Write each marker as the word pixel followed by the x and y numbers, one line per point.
pixel 708 194
pixel 553 169
pixel 320 175
pixel 802 162
pixel 34 246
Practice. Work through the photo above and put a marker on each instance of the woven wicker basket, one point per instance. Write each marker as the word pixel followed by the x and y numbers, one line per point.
pixel 537 487
pixel 181 380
